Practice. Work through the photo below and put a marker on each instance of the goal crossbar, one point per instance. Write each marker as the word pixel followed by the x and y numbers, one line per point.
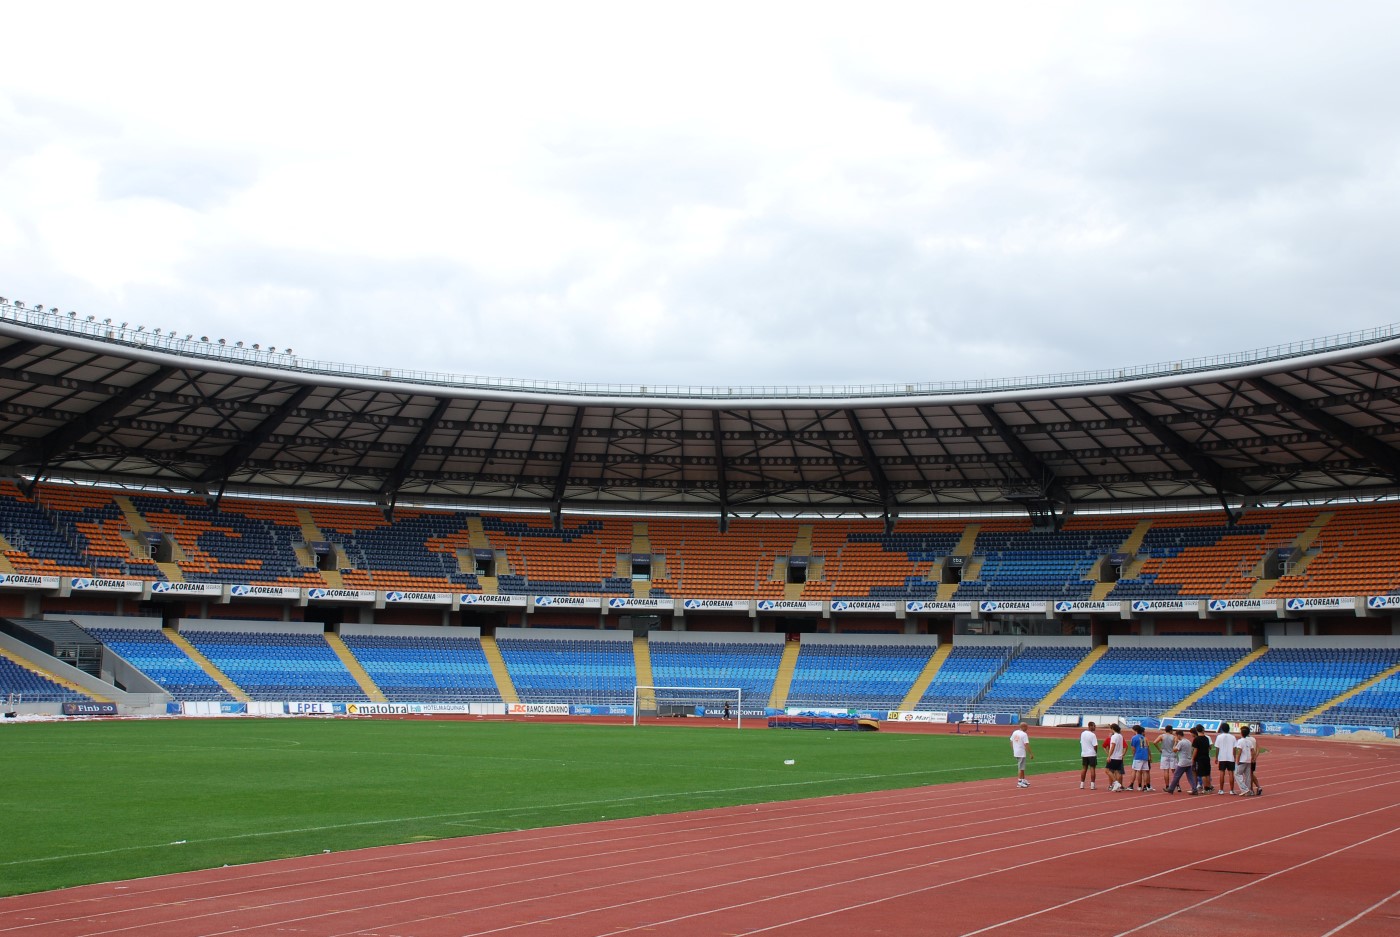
pixel 653 699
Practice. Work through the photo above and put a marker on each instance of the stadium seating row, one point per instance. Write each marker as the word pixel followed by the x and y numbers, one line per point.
pixel 1277 684
pixel 70 530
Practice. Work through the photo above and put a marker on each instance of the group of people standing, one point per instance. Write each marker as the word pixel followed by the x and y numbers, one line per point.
pixel 1180 757
pixel 1237 760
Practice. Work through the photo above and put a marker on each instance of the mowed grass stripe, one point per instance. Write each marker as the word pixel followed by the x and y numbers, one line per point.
pixel 103 801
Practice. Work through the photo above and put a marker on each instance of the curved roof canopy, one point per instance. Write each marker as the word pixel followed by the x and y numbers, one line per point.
pixel 88 400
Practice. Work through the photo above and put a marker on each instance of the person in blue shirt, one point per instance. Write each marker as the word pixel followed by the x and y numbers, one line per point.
pixel 1142 761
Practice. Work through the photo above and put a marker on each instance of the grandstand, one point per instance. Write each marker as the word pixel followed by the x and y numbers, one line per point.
pixel 1067 546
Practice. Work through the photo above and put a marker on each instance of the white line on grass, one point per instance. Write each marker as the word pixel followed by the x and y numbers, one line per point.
pixel 515 808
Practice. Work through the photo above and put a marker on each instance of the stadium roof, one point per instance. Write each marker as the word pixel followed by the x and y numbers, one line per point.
pixel 89 400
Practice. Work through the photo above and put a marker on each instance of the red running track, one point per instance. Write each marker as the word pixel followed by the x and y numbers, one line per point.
pixel 1318 855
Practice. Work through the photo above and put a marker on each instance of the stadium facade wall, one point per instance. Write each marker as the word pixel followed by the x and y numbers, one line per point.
pixel 1179 641
pixel 751 637
pixel 273 627
pixel 420 631
pixel 905 639
pixel 1333 641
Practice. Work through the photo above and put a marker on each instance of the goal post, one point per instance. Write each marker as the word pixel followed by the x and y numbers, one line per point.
pixel 666 702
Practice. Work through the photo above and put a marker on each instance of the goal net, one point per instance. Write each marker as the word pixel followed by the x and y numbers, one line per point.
pixel 679 702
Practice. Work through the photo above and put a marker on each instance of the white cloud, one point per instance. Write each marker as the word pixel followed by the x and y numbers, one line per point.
pixel 748 194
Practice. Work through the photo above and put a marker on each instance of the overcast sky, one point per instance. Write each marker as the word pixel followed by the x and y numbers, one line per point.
pixel 751 193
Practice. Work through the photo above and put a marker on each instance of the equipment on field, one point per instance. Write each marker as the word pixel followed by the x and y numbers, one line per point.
pixel 678 702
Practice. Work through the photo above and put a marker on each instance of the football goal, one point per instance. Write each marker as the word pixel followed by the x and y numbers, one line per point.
pixel 678 702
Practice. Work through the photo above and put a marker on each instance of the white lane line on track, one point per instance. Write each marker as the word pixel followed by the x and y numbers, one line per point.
pixel 467 814
pixel 951 795
pixel 881 875
pixel 1360 914
pixel 552 840
pixel 822 822
pixel 945 884
pixel 1265 878
pixel 921 797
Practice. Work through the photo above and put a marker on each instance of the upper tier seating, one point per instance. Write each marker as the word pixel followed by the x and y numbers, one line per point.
pixel 1039 564
pixel 71 530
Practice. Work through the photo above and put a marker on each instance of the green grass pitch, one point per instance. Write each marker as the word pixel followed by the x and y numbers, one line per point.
pixel 104 800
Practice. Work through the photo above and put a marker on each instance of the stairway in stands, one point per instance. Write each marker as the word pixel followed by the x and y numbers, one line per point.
pixel 782 683
pixel 310 533
pixel 964 547
pixel 138 525
pixel 357 670
pixel 926 676
pixel 207 665
pixel 1348 694
pixel 1080 669
pixel 504 685
pixel 641 654
pixel 1219 678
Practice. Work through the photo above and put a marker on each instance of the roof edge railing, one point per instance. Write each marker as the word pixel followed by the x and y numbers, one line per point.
pixel 122 334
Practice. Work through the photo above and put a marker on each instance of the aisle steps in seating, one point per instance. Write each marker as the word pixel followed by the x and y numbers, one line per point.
pixel 921 685
pixel 357 670
pixel 641 653
pixel 504 684
pixel 1080 669
pixel 205 664
pixel 476 534
pixel 309 531
pixel 782 683
pixel 1220 678
pixel 968 541
pixel 641 539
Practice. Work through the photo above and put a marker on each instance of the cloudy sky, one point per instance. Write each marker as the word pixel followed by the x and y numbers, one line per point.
pixel 754 193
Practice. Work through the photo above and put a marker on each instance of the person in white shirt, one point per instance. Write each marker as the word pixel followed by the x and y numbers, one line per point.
pixel 1225 758
pixel 1021 750
pixel 1245 747
pixel 1166 744
pixel 1089 757
pixel 1114 765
